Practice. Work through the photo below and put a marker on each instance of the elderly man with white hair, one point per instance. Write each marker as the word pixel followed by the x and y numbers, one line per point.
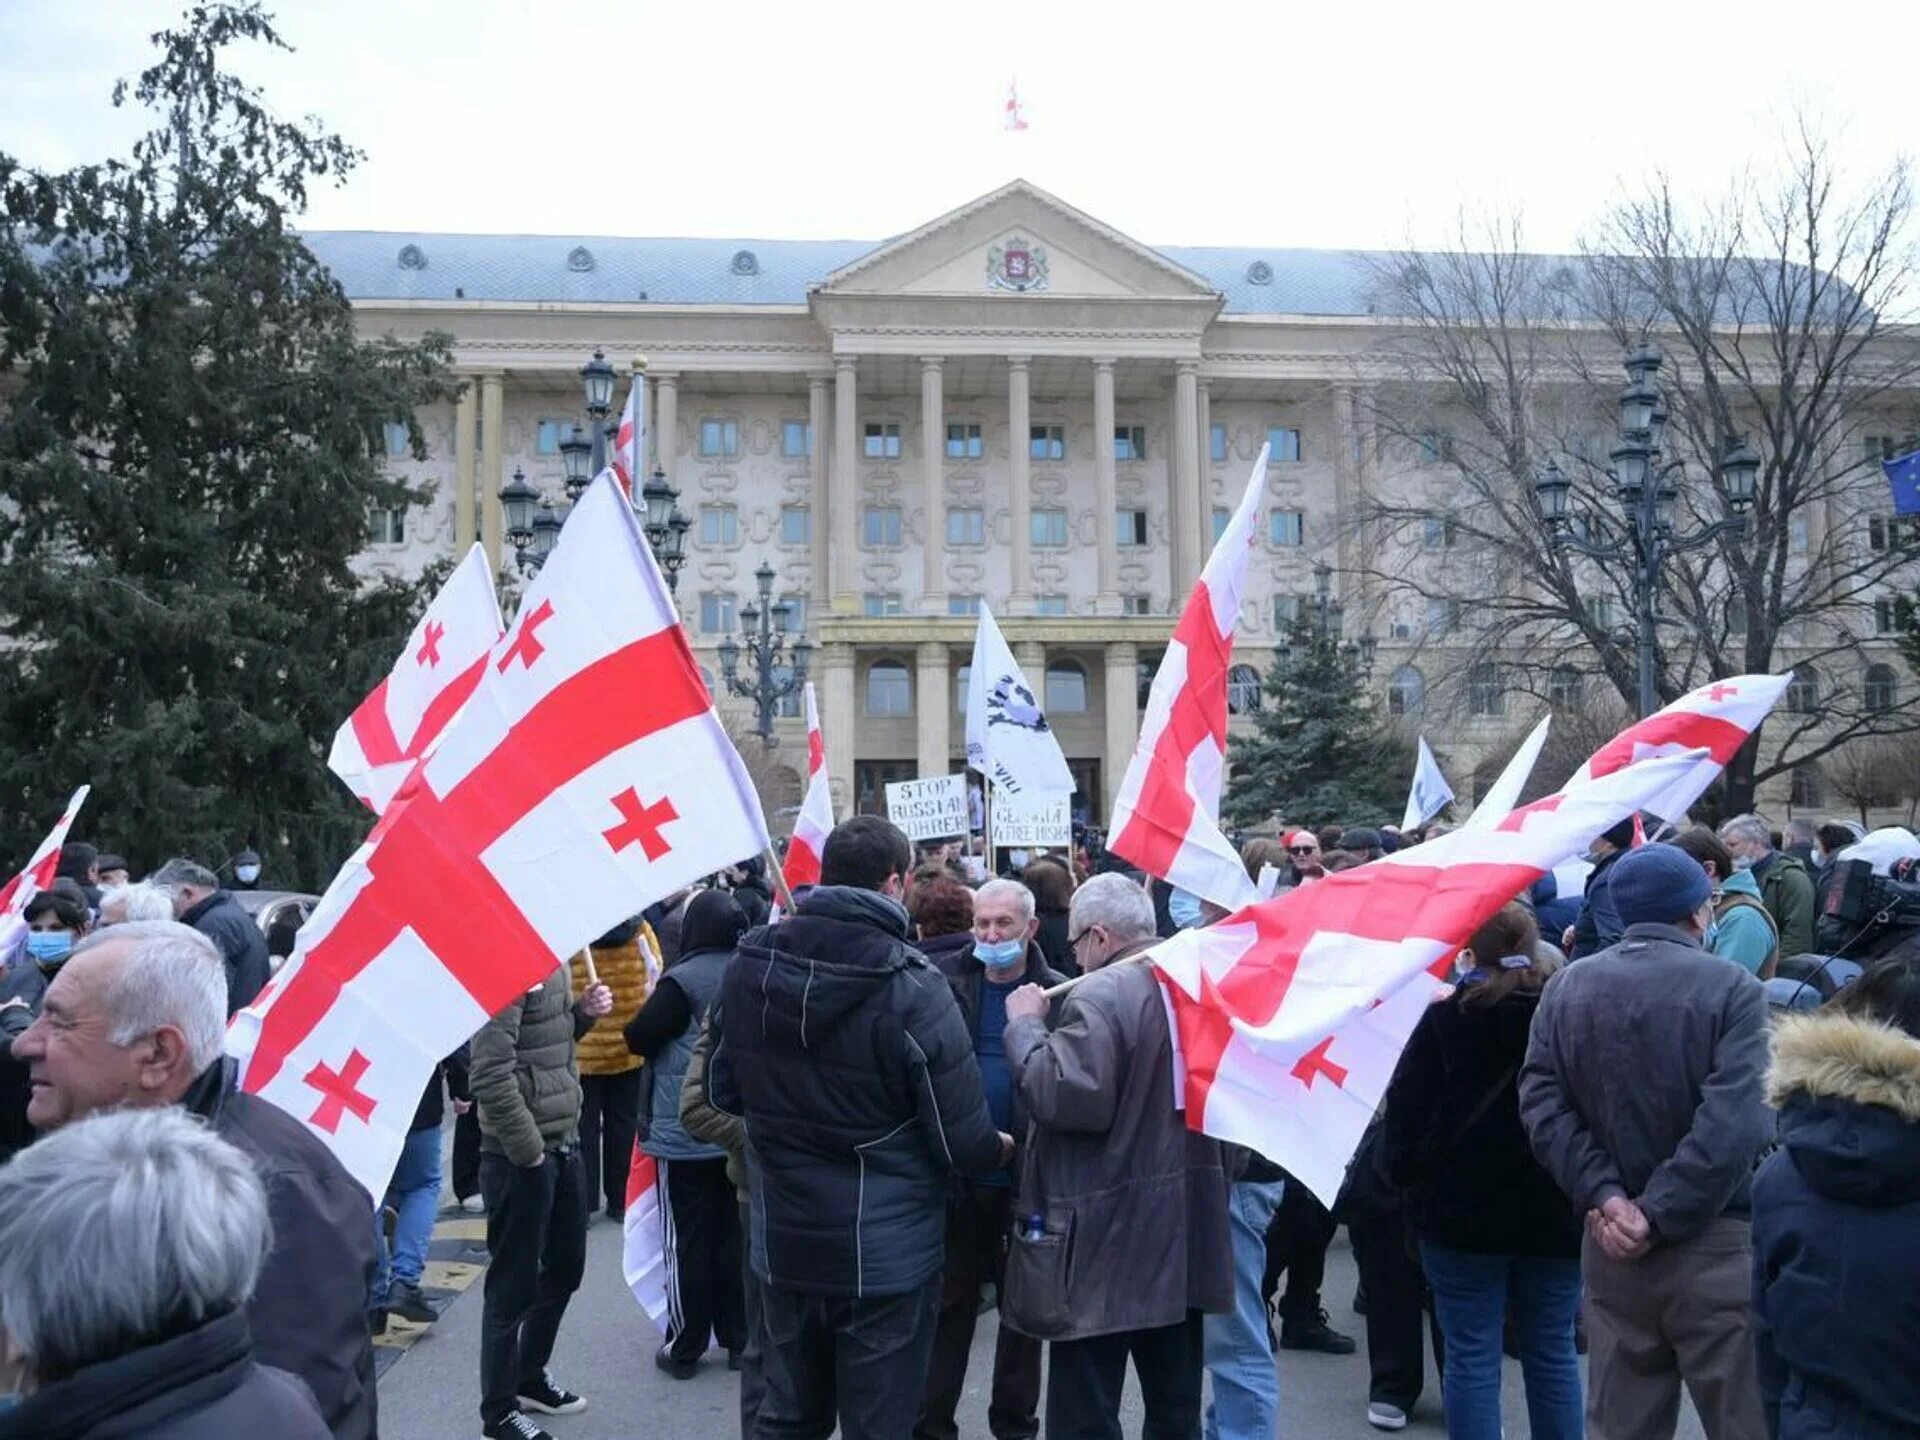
pixel 144 901
pixel 1123 1240
pixel 130 1243
pixel 135 1020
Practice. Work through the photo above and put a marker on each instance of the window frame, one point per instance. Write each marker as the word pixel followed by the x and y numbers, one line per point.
pixel 890 603
pixel 890 664
pixel 1142 532
pixel 1064 666
pixel 727 444
pixel 1047 443
pixel 975 513
pixel 1217 440
pixel 804 511
pixel 805 427
pixel 723 513
pixel 1049 513
pixel 1275 527
pixel 728 607
pixel 892 523
pixel 1297 444
pixel 1134 438
pixel 887 433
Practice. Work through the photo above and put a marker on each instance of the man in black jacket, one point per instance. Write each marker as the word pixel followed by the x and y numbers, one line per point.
pixel 100 1043
pixel 199 901
pixel 845 1053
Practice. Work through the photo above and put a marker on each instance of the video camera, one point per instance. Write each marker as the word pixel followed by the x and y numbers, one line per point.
pixel 1862 914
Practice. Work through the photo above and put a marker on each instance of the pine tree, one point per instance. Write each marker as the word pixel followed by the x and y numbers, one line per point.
pixel 191 440
pixel 1317 755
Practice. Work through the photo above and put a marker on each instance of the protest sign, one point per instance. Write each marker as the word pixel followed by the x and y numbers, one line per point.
pixel 1030 821
pixel 929 809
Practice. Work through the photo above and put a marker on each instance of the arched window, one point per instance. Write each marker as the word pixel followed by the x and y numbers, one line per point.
pixel 889 689
pixel 1066 688
pixel 1146 668
pixel 1243 690
pixel 1803 695
pixel 1880 688
pixel 1564 688
pixel 1406 692
pixel 1484 694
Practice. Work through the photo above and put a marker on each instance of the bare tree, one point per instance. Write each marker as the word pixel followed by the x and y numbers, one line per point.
pixel 770 767
pixel 1868 774
pixel 1771 309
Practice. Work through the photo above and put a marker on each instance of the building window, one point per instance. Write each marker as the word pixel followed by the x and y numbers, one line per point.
pixel 1048 442
pixel 796 439
pixel 1886 617
pixel 1221 515
pixel 1879 689
pixel 1217 443
pixel 876 603
pixel 883 440
pixel 1287 528
pixel 719 439
pixel 1600 613
pixel 1564 688
pixel 963 605
pixel 1049 529
pixel 787 707
pixel 962 678
pixel 1437 533
pixel 1880 447
pixel 1049 604
pixel 547 436
pixel 1799 534
pixel 1130 527
pixel 880 524
pixel 1130 442
pixel 1484 695
pixel 963 442
pixel 1432 447
pixel 1736 615
pixel 1243 690
pixel 1066 688
pixel 889 692
pixel 1286 612
pixel 1891 532
pixel 1283 445
pixel 1442 617
pixel 719 525
pixel 966 525
pixel 1807 787
pixel 870 781
pixel 796 613
pixel 1406 692
pixel 796 525
pixel 1136 604
pixel 716 613
pixel 1401 626
pixel 399 442
pixel 1803 691
pixel 387 525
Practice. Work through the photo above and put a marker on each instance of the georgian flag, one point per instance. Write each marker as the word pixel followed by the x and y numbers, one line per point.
pixel 815 820
pixel 1430 794
pixel 436 672
pixel 630 437
pixel 1008 737
pixel 1505 792
pixel 643 1237
pixel 585 778
pixel 45 864
pixel 1166 817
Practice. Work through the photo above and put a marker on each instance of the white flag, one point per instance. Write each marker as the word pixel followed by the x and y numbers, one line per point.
pixel 1008 737
pixel 1430 795
pixel 1504 793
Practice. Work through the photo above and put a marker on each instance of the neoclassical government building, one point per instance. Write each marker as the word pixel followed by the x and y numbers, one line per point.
pixel 1013 404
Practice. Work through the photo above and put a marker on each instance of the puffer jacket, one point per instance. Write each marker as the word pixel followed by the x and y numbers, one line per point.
pixel 523 1075
pixel 845 1053
pixel 1836 1209
pixel 704 1120
pixel 624 970
pixel 698 978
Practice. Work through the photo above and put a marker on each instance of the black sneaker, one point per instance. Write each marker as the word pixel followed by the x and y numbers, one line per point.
pixel 515 1426
pixel 405 1300
pixel 1317 1336
pixel 548 1398
pixel 678 1369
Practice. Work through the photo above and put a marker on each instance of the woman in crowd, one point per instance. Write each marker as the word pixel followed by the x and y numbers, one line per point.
pixel 1052 887
pixel 1497 1238
pixel 1836 1273
pixel 941 909
pixel 57 920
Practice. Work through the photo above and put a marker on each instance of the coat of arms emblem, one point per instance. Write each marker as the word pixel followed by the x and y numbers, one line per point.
pixel 1017 265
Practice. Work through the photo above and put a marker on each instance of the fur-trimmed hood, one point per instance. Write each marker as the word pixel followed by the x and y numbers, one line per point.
pixel 1848 1090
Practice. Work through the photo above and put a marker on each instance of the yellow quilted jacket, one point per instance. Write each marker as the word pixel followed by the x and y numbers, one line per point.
pixel 630 975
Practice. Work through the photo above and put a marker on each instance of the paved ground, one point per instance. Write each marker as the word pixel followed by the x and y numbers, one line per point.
pixel 430 1386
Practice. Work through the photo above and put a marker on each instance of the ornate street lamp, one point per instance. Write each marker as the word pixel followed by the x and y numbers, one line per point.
pixel 664 525
pixel 576 460
pixel 518 501
pixel 763 630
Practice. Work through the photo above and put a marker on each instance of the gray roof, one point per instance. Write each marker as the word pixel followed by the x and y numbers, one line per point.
pixel 389 265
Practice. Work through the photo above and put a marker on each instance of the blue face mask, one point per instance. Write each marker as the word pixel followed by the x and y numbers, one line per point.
pixel 1184 908
pixel 1000 954
pixel 49 947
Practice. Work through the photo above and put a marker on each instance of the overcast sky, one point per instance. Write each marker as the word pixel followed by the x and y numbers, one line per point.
pixel 1343 125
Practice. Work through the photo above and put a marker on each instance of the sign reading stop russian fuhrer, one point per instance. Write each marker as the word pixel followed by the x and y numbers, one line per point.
pixel 929 809
pixel 1032 820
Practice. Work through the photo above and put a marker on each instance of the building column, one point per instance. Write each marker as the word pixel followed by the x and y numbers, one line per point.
pixel 1020 485
pixel 1106 495
pixel 1186 479
pixel 837 722
pixel 1346 476
pixel 933 427
pixel 844 553
pixel 1203 432
pixel 666 430
pixel 1123 718
pixel 818 533
pixel 466 416
pixel 933 710
pixel 493 466
pixel 1031 656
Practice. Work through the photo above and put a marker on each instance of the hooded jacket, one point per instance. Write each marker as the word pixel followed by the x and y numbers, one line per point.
pixel 239 941
pixel 1836 1210
pixel 1788 890
pixel 845 1053
pixel 1746 933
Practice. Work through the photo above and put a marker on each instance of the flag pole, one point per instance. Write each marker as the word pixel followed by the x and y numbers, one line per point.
pixel 593 975
pixel 780 890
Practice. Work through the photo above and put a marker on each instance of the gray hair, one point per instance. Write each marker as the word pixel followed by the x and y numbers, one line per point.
pixel 1750 828
pixel 180 871
pixel 173 976
pixel 1120 906
pixel 1022 896
pixel 120 1229
pixel 142 901
pixel 1800 831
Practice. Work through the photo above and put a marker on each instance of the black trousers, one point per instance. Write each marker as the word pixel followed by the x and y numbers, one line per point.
pixel 466 1153
pixel 861 1362
pixel 609 1111
pixel 1398 1306
pixel 704 1296
pixel 1085 1379
pixel 537 1236
pixel 979 1226
pixel 753 1379
pixel 1297 1244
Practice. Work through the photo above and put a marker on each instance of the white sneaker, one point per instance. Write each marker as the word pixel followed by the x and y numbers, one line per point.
pixel 1383 1416
pixel 474 1205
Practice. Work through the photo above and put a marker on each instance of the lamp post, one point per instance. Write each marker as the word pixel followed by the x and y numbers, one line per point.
pixel 664 525
pixel 1646 489
pixel 763 630
pixel 1329 619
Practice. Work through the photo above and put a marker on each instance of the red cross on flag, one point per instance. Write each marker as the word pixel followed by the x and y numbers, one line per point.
pixel 815 820
pixel 1291 1014
pixel 630 436
pixel 44 865
pixel 585 778
pixel 437 671
pixel 1166 815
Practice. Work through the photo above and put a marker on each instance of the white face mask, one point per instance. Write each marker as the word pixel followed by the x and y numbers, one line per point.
pixel 246 874
pixel 1743 862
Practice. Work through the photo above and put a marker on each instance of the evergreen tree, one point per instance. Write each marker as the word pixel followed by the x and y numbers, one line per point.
pixel 1317 754
pixel 191 441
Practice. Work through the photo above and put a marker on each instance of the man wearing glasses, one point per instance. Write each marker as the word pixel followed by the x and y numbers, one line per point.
pixel 1304 853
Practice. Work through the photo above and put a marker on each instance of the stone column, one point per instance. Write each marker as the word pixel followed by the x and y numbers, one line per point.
pixel 841 502
pixel 1123 718
pixel 1186 479
pixel 837 720
pixel 1106 496
pixel 933 710
pixel 493 466
pixel 1020 486
pixel 666 429
pixel 1203 432
pixel 466 415
pixel 818 425
pixel 933 441
pixel 1032 658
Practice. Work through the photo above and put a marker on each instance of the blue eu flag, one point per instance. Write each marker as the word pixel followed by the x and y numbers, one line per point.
pixel 1903 474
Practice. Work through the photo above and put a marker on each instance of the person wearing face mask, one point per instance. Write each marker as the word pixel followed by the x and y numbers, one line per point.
pixel 56 921
pixel 1004 955
pixel 1642 1095
pixel 246 870
pixel 1785 885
